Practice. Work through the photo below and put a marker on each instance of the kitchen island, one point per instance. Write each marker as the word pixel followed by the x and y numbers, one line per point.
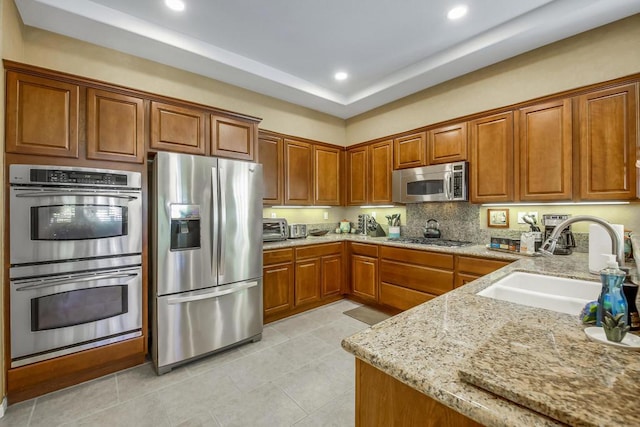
pixel 426 348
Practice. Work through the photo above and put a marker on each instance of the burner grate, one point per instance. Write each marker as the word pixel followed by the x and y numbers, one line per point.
pixel 430 241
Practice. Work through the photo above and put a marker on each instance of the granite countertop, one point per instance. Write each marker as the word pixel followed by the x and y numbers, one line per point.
pixel 472 250
pixel 545 356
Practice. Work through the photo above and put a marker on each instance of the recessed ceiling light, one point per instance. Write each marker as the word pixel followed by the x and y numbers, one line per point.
pixel 340 75
pixel 457 12
pixel 177 5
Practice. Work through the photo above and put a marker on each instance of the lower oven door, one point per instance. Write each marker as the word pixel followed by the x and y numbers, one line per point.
pixel 62 314
pixel 195 323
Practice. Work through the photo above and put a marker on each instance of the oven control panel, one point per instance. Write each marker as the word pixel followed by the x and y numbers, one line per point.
pixel 72 176
pixel 54 176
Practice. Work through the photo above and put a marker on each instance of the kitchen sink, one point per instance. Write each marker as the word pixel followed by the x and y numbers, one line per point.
pixel 549 292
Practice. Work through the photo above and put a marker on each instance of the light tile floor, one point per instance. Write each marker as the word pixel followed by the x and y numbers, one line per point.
pixel 298 375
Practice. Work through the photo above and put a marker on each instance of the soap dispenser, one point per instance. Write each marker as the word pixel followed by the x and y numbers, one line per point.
pixel 613 301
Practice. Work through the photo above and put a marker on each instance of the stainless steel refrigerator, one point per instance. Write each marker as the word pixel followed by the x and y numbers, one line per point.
pixel 206 256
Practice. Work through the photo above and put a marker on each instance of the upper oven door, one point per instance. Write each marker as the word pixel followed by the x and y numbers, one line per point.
pixel 54 224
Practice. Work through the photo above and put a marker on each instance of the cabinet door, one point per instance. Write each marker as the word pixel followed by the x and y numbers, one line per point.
pixel 545 145
pixel 447 144
pixel 307 281
pixel 491 164
pixel 271 155
pixel 234 139
pixel 41 116
pixel 298 173
pixel 357 163
pixel 115 127
pixel 464 278
pixel 327 172
pixel 608 138
pixel 364 277
pixel 175 128
pixel 380 169
pixel 331 275
pixel 410 151
pixel 278 288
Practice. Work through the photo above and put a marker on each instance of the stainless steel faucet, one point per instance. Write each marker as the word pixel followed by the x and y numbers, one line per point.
pixel 617 245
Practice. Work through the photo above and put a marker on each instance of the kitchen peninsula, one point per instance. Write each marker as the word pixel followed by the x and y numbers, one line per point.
pixel 430 347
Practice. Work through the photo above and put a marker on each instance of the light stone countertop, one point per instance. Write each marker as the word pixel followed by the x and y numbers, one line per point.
pixel 427 346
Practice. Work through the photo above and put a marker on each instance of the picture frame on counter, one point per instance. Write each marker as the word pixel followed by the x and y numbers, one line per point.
pixel 498 218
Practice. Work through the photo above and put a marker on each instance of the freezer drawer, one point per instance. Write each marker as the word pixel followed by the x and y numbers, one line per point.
pixel 192 324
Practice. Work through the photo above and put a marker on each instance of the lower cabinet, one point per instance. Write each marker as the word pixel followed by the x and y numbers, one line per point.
pixel 469 268
pixel 364 271
pixel 296 280
pixel 383 401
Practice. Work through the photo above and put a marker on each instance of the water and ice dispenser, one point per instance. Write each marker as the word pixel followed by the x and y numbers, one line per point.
pixel 185 227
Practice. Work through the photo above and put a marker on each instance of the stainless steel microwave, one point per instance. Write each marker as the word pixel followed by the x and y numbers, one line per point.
pixel 437 183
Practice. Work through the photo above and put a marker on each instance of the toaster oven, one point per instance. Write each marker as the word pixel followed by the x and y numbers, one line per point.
pixel 274 229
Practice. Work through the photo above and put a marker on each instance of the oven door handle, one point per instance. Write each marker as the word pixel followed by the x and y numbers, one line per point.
pixel 86 278
pixel 214 294
pixel 58 194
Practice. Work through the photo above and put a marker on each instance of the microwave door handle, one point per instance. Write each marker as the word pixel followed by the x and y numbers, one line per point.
pixel 447 186
pixel 85 278
pixel 214 294
pixel 58 194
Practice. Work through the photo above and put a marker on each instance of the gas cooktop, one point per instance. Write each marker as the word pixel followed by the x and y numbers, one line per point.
pixel 430 241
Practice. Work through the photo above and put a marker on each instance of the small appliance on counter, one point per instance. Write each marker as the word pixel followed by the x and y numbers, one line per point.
pixel 566 241
pixel 369 226
pixel 297 231
pixel 274 229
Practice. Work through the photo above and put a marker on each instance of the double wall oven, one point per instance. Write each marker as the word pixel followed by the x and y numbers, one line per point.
pixel 75 255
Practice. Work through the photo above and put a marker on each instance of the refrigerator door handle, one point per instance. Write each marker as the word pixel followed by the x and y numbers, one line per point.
pixel 214 294
pixel 222 190
pixel 214 222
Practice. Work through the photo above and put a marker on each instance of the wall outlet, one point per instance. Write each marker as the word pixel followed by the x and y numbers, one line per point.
pixel 373 214
pixel 531 214
pixel 325 215
pixel 273 214
pixel 520 215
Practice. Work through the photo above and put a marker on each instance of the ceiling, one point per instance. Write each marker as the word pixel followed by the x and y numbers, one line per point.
pixel 290 49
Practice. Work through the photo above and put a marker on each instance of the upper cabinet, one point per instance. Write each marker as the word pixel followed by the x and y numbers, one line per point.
pixel 177 128
pixel 298 172
pixel 42 116
pixel 447 144
pixel 608 141
pixel 115 126
pixel 327 175
pixel 544 136
pixel 410 151
pixel 233 138
pixel 271 154
pixel 369 169
pixel 491 158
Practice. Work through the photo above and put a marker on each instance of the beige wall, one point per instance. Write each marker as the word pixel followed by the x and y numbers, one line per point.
pixel 45 49
pixel 595 56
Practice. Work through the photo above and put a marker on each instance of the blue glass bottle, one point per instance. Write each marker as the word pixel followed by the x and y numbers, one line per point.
pixel 611 297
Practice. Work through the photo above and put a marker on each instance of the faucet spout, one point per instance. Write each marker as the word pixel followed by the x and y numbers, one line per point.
pixel 616 242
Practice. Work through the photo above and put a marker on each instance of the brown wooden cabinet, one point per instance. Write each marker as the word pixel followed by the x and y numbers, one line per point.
pixel 42 116
pixel 383 401
pixel 277 281
pixel 491 159
pixel 608 143
pixel 177 128
pixel 332 274
pixel 307 281
pixel 544 135
pixel 115 126
pixel 369 169
pixel 271 156
pixel 364 271
pixel 298 173
pixel 410 151
pixel 469 268
pixel 409 277
pixel 447 144
pixel 327 175
pixel 233 138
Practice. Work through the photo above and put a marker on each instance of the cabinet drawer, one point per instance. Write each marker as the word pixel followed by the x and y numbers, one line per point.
pixel 402 298
pixel 364 249
pixel 318 250
pixel 478 266
pixel 422 258
pixel 419 278
pixel 277 256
